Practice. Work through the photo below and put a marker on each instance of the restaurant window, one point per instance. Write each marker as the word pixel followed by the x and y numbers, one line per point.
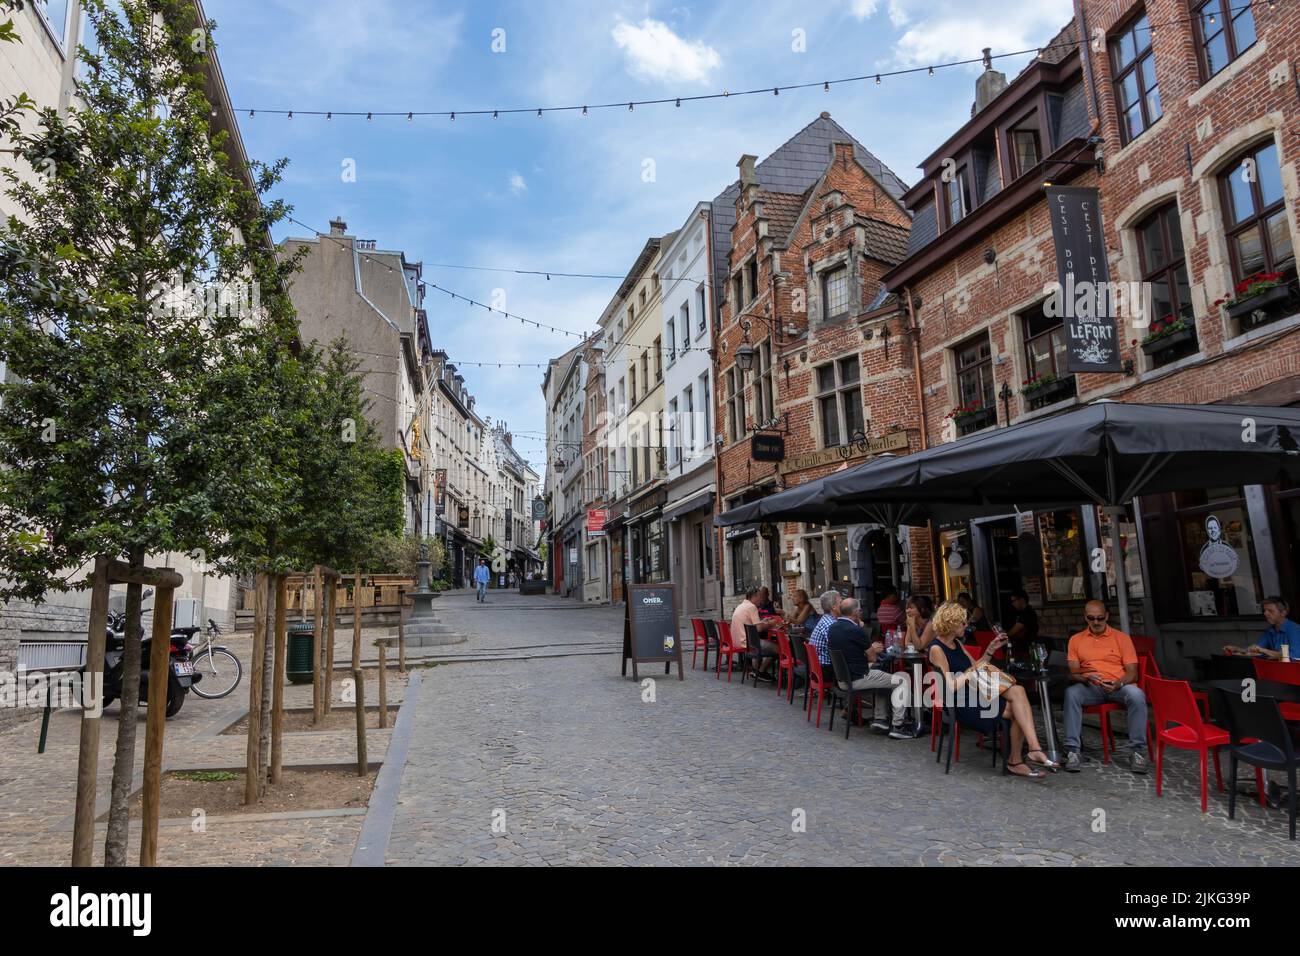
pixel 835 294
pixel 1225 29
pixel 1026 149
pixel 1218 555
pixel 764 399
pixel 745 564
pixel 1254 212
pixel 1049 379
pixel 1060 535
pixel 976 407
pixel 839 400
pixel 1172 332
pixel 1133 68
pixel 1128 542
pixel 837 571
pixel 956 196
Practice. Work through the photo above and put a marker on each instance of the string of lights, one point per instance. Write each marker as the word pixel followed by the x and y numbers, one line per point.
pixel 630 105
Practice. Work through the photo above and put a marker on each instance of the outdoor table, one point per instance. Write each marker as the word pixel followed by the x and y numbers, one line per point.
pixel 1283 693
pixel 1042 678
pixel 913 660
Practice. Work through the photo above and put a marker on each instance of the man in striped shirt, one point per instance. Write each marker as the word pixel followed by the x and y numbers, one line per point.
pixel 830 603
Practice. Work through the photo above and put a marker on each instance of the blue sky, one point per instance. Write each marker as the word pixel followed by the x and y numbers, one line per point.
pixel 566 192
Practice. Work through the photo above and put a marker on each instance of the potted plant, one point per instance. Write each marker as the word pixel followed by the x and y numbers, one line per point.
pixel 1169 333
pixel 1047 389
pixel 1256 293
pixel 973 416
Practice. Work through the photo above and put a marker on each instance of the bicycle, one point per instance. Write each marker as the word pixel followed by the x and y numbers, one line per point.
pixel 221 669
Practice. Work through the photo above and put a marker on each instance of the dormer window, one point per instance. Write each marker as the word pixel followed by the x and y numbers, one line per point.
pixel 956 196
pixel 1026 149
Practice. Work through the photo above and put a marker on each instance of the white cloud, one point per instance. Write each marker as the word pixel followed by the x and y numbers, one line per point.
pixel 654 52
pixel 862 9
pixel 517 184
pixel 960 29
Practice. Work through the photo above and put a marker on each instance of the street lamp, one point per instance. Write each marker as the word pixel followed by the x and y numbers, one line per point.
pixel 745 351
pixel 478 523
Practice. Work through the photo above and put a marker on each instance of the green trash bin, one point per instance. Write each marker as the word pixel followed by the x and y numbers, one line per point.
pixel 299 654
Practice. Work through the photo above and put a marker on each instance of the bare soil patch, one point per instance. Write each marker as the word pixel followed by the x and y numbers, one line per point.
pixel 298 790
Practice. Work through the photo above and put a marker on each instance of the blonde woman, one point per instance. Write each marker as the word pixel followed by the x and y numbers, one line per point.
pixel 949 656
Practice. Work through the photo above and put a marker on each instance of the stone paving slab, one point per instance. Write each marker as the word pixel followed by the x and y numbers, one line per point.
pixel 37 791
pixel 575 768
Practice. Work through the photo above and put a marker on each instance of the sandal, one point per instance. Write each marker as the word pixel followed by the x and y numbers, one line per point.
pixel 1030 774
pixel 1046 764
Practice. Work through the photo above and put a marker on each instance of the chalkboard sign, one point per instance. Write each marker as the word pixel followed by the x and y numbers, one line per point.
pixel 650 628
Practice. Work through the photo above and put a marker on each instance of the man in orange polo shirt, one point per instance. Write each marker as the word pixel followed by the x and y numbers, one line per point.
pixel 1104 669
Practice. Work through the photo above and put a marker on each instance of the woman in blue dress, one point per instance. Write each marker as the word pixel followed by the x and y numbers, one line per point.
pixel 950 657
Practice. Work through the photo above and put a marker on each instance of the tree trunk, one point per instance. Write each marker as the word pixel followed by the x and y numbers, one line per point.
pixel 119 812
pixel 268 683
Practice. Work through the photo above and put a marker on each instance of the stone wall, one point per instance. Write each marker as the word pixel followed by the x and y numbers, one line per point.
pixel 21 621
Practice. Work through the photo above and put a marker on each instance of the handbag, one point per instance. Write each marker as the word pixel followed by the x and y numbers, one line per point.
pixel 991 682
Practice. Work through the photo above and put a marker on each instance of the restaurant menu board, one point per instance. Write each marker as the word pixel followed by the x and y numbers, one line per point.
pixel 650 628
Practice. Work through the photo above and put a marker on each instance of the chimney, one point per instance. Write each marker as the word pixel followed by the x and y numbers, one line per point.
pixel 338 227
pixel 990 83
pixel 842 153
pixel 748 177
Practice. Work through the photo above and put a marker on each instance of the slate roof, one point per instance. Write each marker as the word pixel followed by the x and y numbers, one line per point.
pixel 885 242
pixel 791 168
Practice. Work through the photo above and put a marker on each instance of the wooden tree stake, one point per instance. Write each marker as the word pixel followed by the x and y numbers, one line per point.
pixel 277 699
pixel 252 771
pixel 83 827
pixel 359 679
pixel 383 682
pixel 155 725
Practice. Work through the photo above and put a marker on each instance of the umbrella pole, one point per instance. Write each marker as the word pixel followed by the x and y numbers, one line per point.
pixel 893 556
pixel 1115 513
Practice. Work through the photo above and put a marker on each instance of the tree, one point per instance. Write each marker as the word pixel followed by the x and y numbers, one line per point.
pixel 127 292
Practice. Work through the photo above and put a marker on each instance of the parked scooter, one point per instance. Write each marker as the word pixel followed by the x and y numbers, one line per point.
pixel 180 667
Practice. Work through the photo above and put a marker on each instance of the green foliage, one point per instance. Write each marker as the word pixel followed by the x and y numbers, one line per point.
pixel 205 776
pixel 111 437
pixel 398 554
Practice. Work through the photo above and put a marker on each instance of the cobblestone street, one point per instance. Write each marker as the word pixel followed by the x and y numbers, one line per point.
pixel 582 771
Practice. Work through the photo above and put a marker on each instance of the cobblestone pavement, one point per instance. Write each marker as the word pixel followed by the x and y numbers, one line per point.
pixel 37 791
pixel 581 770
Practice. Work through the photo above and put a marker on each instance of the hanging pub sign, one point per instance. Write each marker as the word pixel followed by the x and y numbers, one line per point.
pixel 462 516
pixel 539 509
pixel 767 447
pixel 1085 302
pixel 650 628
pixel 510 520
pixel 439 488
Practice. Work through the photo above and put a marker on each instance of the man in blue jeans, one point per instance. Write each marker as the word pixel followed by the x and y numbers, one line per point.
pixel 481 577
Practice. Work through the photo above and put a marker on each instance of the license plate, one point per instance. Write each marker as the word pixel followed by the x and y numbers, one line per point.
pixel 183 668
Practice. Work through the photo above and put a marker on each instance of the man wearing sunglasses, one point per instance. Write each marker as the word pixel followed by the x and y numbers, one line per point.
pixel 1104 669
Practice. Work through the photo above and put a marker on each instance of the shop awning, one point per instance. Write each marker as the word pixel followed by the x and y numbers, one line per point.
pixel 697 502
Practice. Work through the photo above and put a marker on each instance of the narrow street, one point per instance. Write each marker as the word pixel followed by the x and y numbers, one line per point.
pixel 548 739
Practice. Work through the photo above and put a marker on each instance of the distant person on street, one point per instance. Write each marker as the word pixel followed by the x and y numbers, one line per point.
pixel 481 577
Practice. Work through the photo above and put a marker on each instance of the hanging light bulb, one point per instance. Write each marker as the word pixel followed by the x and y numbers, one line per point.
pixel 584 111
pixel 329 115
pixel 494 114
pixel 369 117
pixel 932 71
pixel 776 91
pixel 679 101
pixel 408 117
pixel 290 114
pixel 629 107
pixel 827 86
pixel 539 112
pixel 877 79
pixel 251 112
pixel 453 116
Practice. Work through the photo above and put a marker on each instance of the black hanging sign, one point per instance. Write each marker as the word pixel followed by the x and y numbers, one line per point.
pixel 650 628
pixel 767 447
pixel 1086 302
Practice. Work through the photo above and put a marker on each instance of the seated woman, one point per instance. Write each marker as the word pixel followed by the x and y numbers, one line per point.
pixel 950 657
pixel 802 612
pixel 975 617
pixel 919 630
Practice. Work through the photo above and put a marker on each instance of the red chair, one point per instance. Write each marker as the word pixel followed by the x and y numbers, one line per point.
pixel 701 635
pixel 818 684
pixel 1283 672
pixel 785 662
pixel 725 647
pixel 1143 645
pixel 936 713
pixel 1153 670
pixel 1179 724
pixel 1104 710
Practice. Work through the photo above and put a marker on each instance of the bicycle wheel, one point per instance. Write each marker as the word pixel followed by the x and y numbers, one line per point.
pixel 221 672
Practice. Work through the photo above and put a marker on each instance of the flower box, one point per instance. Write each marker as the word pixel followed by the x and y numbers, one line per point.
pixel 1262 302
pixel 1057 390
pixel 1167 343
pixel 974 421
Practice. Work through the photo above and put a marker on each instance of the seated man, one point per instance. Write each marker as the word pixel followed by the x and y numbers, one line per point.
pixel 889 613
pixel 847 637
pixel 1104 669
pixel 1023 628
pixel 747 613
pixel 830 604
pixel 1281 631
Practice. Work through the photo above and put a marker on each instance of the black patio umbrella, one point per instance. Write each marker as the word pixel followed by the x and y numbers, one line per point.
pixel 1106 453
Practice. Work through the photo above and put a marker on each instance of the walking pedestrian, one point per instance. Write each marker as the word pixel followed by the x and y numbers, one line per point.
pixel 481 577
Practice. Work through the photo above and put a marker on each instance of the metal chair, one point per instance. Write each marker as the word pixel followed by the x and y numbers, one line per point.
pixel 1258 735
